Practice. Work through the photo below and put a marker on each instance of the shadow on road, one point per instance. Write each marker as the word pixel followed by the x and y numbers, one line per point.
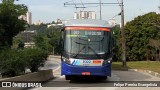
pixel 79 82
pixel 87 80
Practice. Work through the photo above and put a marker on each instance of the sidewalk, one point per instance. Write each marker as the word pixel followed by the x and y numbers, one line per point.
pixel 54 56
pixel 57 71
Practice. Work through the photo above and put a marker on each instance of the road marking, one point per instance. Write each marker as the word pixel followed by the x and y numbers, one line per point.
pixel 57 68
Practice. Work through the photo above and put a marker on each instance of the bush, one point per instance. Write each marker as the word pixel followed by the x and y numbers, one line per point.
pixel 49 40
pixel 14 62
pixel 34 58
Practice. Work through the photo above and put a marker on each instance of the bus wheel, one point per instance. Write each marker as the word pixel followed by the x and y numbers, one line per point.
pixel 103 77
pixel 67 77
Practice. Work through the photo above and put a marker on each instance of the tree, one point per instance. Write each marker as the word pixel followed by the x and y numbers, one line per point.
pixel 14 62
pixel 40 27
pixel 34 58
pixel 117 49
pixel 18 42
pixel 49 40
pixel 138 34
pixel 10 25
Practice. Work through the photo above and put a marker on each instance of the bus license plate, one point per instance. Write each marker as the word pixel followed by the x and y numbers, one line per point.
pixel 86 73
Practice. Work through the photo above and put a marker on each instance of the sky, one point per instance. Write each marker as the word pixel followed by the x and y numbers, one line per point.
pixel 49 10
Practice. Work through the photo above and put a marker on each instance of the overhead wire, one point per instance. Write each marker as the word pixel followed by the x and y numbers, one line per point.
pixel 120 6
pixel 68 5
pixel 74 4
pixel 82 4
pixel 119 3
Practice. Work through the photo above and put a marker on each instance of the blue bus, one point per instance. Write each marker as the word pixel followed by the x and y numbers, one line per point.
pixel 87 48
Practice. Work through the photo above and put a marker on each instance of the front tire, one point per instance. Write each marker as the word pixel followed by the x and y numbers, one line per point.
pixel 103 77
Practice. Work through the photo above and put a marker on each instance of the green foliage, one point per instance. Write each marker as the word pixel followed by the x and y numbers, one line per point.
pixel 10 25
pixel 14 62
pixel 34 58
pixel 142 65
pixel 40 27
pixel 138 34
pixel 117 48
pixel 49 40
pixel 18 43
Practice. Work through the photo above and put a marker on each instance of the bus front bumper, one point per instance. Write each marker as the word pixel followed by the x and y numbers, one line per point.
pixel 68 69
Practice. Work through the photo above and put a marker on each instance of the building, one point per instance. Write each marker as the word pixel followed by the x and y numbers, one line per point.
pixel 38 22
pixel 57 23
pixel 28 38
pixel 54 25
pixel 27 17
pixel 85 15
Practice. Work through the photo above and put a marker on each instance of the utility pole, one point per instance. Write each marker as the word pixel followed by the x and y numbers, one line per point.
pixel 100 10
pixel 123 36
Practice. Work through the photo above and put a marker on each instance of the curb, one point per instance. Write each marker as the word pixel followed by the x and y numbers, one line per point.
pixel 40 77
pixel 54 56
pixel 146 71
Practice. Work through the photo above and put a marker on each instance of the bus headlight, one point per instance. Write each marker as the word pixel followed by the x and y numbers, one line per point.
pixel 66 60
pixel 108 61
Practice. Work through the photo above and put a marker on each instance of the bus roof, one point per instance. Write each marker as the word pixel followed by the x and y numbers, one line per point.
pixel 87 22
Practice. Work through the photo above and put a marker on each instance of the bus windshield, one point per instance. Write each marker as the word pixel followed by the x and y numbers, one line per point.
pixel 86 42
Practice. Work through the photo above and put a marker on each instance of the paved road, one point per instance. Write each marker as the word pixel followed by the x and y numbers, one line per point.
pixel 50 64
pixel 59 83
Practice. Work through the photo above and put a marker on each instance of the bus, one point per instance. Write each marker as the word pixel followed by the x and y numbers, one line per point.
pixel 87 48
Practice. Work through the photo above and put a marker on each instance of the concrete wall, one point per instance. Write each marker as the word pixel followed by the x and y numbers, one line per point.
pixel 42 75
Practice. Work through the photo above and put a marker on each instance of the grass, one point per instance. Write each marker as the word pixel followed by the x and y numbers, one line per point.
pixel 145 65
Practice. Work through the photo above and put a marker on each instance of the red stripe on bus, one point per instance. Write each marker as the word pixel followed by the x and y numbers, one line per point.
pixel 87 28
pixel 96 61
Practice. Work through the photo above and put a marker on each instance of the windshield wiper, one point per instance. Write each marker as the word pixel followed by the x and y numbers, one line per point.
pixel 80 43
pixel 94 52
pixel 90 49
pixel 84 48
pixel 79 51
